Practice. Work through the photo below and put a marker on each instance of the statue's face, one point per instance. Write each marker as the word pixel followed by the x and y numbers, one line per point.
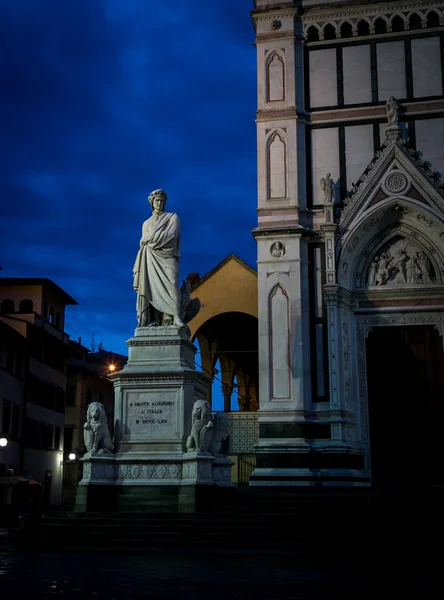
pixel 96 414
pixel 158 204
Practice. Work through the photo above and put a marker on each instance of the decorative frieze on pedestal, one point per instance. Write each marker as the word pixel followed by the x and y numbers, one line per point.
pixel 197 469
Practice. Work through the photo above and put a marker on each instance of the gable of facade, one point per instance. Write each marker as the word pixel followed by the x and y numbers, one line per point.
pixel 391 231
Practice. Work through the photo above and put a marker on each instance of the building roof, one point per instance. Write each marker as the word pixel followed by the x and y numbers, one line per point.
pixel 219 266
pixel 42 281
pixel 8 330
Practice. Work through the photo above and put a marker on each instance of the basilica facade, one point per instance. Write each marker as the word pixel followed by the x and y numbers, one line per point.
pixel 350 240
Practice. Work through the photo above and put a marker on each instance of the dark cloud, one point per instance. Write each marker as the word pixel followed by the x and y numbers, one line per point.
pixel 103 101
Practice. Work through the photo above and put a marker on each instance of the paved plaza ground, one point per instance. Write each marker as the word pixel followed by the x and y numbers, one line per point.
pixel 34 573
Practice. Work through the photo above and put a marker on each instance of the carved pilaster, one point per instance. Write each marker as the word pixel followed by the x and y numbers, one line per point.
pixel 328 233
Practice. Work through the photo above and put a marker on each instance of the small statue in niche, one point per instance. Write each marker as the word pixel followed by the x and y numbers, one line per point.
pixel 392 107
pixel 373 270
pixel 413 270
pixel 384 269
pixel 328 187
pixel 277 249
pixel 424 267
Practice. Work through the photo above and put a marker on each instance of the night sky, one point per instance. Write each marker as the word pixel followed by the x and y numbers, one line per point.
pixel 102 102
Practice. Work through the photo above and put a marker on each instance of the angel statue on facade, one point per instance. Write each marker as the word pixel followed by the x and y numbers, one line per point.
pixel 328 187
pixel 392 108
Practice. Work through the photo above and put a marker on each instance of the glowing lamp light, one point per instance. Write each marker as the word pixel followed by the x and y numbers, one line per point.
pixel 112 368
pixel 72 456
pixel 3 442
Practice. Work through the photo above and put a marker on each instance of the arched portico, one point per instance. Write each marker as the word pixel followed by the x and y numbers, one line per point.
pixel 232 338
pixel 227 330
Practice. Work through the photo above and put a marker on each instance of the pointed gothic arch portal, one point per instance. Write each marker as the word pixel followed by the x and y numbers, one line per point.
pixel 405 382
pixel 395 304
pixel 389 309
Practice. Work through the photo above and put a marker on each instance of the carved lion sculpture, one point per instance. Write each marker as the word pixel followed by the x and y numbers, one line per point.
pixel 189 306
pixel 221 433
pixel 199 440
pixel 95 431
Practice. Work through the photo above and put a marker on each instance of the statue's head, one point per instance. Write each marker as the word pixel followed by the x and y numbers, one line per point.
pixel 96 413
pixel 157 199
pixel 201 411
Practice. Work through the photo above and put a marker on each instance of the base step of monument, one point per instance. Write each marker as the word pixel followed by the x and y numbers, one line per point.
pixel 311 525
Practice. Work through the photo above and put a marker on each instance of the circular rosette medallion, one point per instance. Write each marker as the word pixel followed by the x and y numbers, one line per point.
pixel 396 183
pixel 174 471
pixel 160 471
pixel 135 471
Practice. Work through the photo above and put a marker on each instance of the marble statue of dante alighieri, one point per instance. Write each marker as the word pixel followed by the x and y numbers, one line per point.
pixel 156 270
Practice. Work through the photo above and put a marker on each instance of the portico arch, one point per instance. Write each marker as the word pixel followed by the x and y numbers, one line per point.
pixel 232 338
pixel 227 330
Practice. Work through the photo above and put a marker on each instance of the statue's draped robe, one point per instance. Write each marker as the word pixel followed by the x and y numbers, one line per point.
pixel 156 270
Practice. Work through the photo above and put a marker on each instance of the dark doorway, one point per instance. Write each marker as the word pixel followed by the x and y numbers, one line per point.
pixel 405 376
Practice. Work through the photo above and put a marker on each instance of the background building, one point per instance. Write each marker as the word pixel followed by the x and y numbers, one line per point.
pixel 14 361
pixel 350 241
pixel 34 373
pixel 87 381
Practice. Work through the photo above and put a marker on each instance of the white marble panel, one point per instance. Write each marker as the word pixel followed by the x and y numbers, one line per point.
pixel 391 70
pixel 277 167
pixel 318 293
pixel 323 78
pixel 276 79
pixel 430 141
pixel 426 65
pixel 382 131
pixel 357 74
pixel 325 159
pixel 358 151
pixel 320 371
pixel 280 352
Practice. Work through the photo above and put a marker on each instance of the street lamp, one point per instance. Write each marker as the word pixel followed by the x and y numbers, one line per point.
pixel 3 442
pixel 72 456
pixel 112 368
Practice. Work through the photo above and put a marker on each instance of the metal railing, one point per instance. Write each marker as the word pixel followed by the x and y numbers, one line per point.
pixel 246 465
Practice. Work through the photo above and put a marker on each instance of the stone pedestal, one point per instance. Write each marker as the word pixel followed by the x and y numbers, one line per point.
pixel 154 398
pixel 155 393
pixel 222 472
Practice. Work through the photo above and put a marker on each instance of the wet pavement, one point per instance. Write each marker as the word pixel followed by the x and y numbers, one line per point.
pixel 32 572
